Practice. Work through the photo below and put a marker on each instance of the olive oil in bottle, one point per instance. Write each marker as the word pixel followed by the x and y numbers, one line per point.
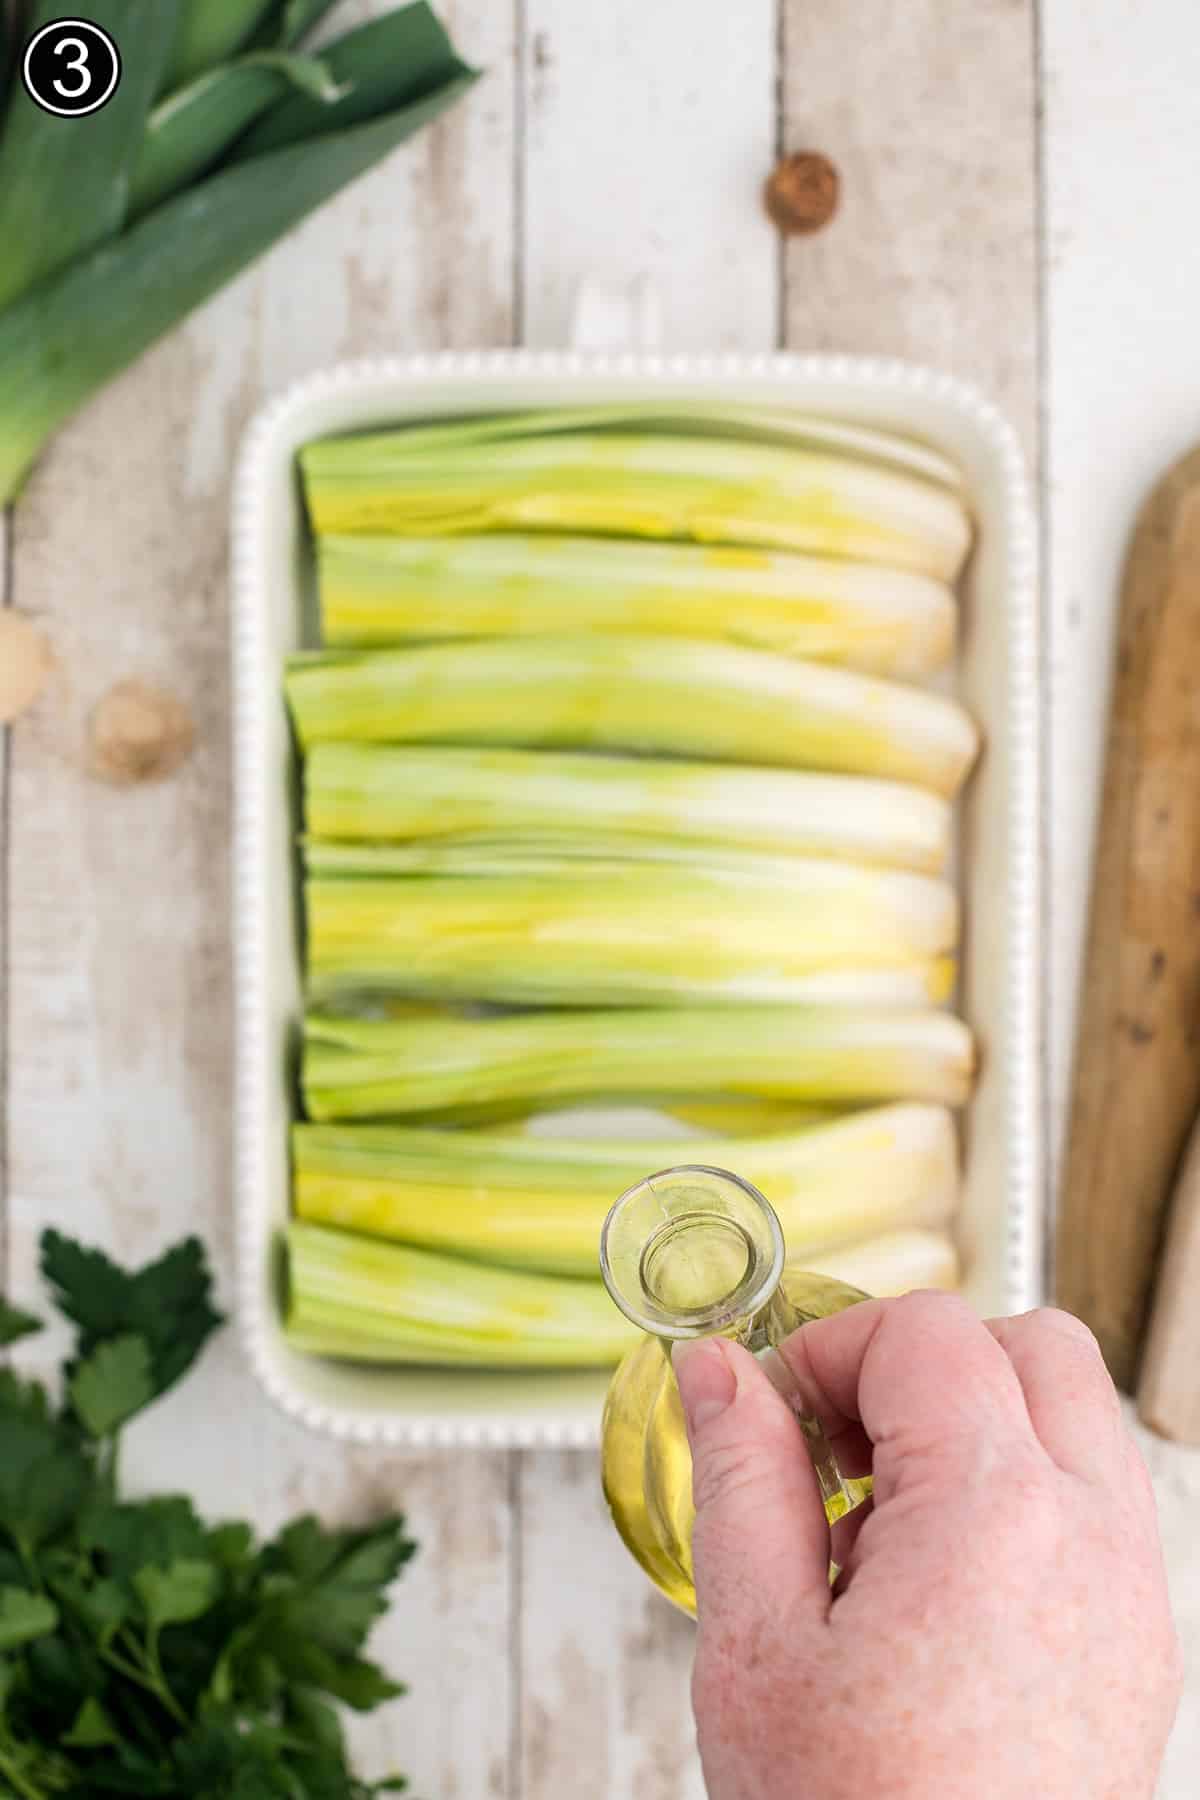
pixel 693 1252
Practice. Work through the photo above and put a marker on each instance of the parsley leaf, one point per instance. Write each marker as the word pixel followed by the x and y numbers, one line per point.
pixel 112 1384
pixel 15 1324
pixel 167 1303
pixel 183 1590
pixel 144 1651
pixel 24 1616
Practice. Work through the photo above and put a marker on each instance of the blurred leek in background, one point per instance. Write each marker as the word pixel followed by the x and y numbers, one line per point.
pixel 356 1297
pixel 672 696
pixel 219 139
pixel 539 1203
pixel 366 1300
pixel 364 1068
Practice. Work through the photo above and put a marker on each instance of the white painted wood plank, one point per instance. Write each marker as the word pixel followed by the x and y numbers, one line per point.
pixel 1121 146
pixel 606 1660
pixel 927 111
pixel 1123 362
pixel 649 131
pixel 119 929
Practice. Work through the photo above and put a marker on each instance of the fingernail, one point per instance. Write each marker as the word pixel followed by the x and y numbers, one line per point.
pixel 706 1382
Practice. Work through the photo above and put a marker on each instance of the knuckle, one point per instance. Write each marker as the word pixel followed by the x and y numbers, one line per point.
pixel 928 1302
pixel 1066 1325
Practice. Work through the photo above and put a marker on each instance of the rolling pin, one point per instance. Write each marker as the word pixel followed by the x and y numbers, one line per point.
pixel 1137 1071
pixel 1168 1395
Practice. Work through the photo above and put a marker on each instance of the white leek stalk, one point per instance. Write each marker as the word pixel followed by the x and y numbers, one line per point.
pixel 554 803
pixel 600 934
pixel 539 1203
pixel 664 695
pixel 357 1298
pixel 379 590
pixel 363 1068
pixel 636 484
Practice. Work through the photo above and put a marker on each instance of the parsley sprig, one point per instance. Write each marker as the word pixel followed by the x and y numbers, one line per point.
pixel 144 1651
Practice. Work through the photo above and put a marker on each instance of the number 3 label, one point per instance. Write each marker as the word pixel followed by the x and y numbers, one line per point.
pixel 71 68
pixel 80 65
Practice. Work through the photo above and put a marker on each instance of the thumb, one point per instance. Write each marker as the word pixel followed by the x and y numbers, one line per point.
pixel 760 1546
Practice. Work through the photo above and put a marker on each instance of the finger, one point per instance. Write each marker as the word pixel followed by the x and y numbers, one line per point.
pixel 760 1545
pixel 1072 1402
pixel 922 1374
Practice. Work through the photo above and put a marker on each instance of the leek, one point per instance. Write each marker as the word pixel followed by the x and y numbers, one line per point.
pixel 586 935
pixel 696 418
pixel 189 131
pixel 87 291
pixel 538 1203
pixel 376 590
pixel 359 1068
pixel 893 1264
pixel 64 183
pixel 666 695
pixel 640 484
pixel 354 1297
pixel 210 31
pixel 559 804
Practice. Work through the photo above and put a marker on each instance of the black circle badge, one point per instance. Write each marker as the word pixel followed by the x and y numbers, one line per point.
pixel 71 68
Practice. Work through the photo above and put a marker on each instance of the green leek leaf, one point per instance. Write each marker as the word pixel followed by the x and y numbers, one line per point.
pixel 391 61
pixel 211 31
pixel 299 18
pixel 65 183
pixel 189 131
pixel 62 341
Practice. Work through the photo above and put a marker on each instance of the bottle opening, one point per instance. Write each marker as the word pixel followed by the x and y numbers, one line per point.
pixel 695 1261
pixel 690 1251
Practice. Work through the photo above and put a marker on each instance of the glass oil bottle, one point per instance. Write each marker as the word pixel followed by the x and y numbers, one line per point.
pixel 693 1252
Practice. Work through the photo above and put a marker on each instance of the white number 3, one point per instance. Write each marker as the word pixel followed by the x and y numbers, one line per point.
pixel 79 65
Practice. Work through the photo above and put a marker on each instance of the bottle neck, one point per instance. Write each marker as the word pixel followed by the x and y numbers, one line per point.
pixel 693 1252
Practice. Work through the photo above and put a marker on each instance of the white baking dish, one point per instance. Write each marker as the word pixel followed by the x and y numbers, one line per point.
pixel 997 678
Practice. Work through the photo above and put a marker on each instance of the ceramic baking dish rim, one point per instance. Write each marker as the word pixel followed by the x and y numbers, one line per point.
pixel 1022 1024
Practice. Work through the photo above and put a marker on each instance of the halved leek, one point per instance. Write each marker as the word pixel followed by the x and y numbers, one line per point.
pixel 377 590
pixel 893 1264
pixel 546 802
pixel 600 934
pixel 538 1203
pixel 363 1068
pixel 657 484
pixel 697 418
pixel 358 1298
pixel 668 695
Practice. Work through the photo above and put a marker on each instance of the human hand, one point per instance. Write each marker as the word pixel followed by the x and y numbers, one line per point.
pixel 1001 1626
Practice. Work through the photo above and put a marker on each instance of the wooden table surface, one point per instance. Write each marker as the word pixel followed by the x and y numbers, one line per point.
pixel 1018 206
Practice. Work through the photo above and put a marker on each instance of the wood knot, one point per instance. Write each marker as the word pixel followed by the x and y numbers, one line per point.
pixel 802 191
pixel 139 733
pixel 25 664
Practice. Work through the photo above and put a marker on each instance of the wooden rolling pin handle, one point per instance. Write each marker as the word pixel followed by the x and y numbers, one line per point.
pixel 1168 1396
